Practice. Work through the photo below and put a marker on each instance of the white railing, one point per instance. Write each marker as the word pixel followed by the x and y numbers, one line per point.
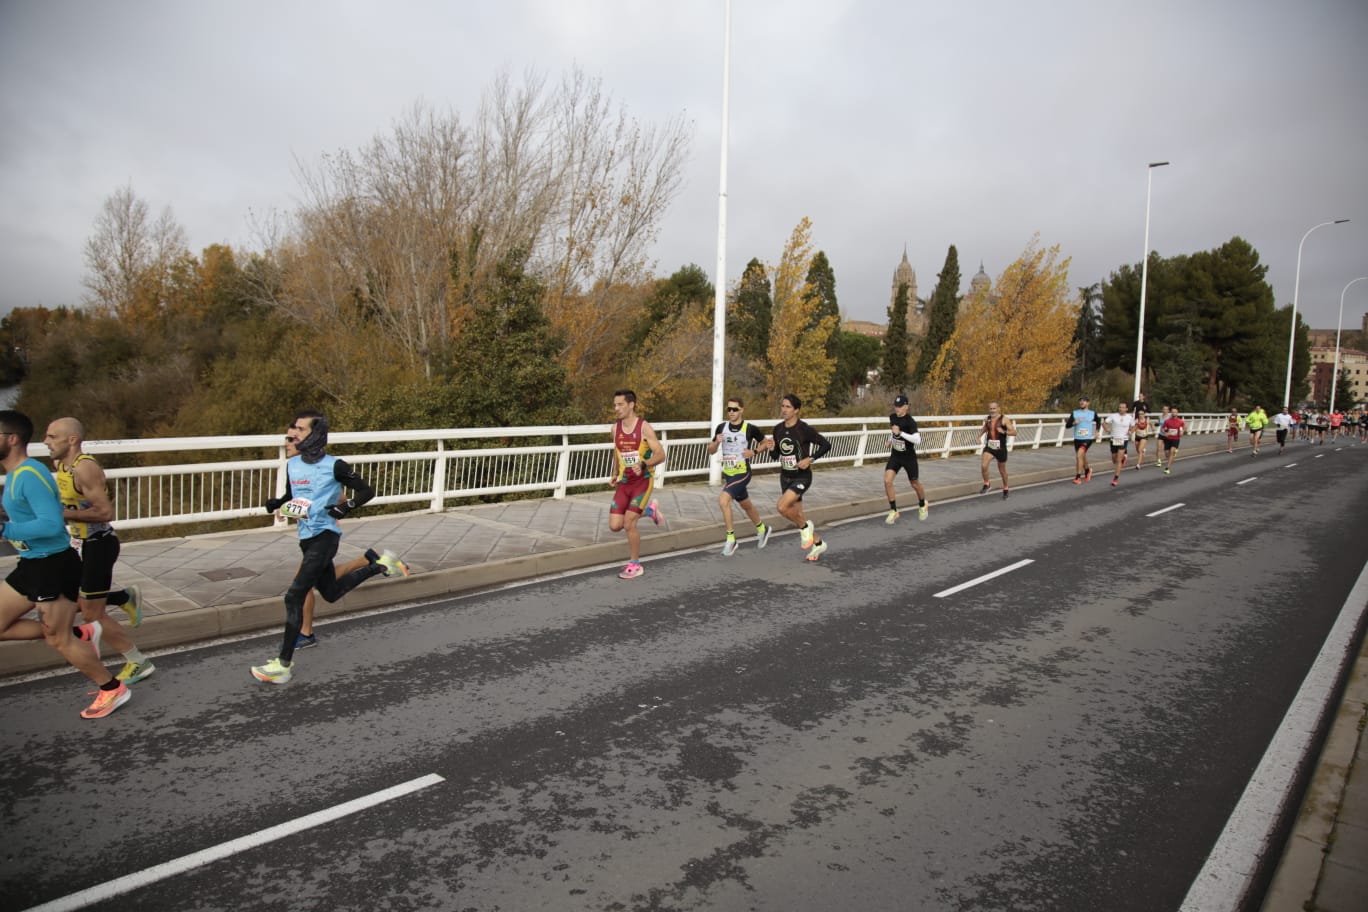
pixel 430 468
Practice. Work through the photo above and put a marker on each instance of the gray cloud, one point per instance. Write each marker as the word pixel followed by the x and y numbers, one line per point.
pixel 975 124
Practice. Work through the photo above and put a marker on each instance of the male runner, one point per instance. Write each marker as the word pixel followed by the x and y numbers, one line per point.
pixel 1283 422
pixel 314 481
pixel 1159 450
pixel 798 445
pixel 88 510
pixel 1119 426
pixel 1256 421
pixel 996 429
pixel 1084 422
pixel 48 574
pixel 636 450
pixel 1171 431
pixel 902 456
pixel 738 439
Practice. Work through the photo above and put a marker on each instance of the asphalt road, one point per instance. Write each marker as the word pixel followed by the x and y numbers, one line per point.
pixel 753 732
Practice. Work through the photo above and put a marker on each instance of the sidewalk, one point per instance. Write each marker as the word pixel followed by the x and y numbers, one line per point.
pixel 206 586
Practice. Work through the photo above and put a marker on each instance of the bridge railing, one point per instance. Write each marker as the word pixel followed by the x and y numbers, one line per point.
pixel 168 481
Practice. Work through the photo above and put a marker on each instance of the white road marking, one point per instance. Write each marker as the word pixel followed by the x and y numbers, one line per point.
pixel 1289 465
pixel 1229 872
pixel 983 579
pixel 1320 455
pixel 1165 510
pixel 129 882
pixel 1246 481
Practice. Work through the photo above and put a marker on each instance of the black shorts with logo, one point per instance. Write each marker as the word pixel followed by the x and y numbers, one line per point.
pixel 45 579
pixel 797 482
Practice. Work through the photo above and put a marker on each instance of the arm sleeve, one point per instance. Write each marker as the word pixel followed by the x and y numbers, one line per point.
pixel 820 446
pixel 754 436
pixel 47 521
pixel 361 490
pixel 1069 422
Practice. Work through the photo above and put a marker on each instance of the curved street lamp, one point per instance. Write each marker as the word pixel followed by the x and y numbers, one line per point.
pixel 1339 327
pixel 1144 281
pixel 1296 287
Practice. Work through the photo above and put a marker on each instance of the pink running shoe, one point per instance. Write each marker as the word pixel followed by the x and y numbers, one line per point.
pixel 631 571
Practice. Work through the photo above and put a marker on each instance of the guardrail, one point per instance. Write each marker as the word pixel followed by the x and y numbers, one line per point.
pixel 429 468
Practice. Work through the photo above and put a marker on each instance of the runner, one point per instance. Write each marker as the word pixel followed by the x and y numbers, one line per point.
pixel 637 451
pixel 737 438
pixel 1256 421
pixel 1232 429
pixel 1119 425
pixel 1144 430
pixel 1085 423
pixel 1172 433
pixel 996 429
pixel 1159 450
pixel 48 572
pixel 798 445
pixel 902 456
pixel 88 511
pixel 1336 422
pixel 314 481
pixel 1283 422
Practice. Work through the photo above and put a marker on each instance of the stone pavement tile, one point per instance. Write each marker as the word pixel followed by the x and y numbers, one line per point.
pixel 1350 849
pixel 1341 888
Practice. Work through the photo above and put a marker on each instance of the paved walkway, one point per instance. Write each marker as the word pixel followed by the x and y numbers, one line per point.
pixel 205 586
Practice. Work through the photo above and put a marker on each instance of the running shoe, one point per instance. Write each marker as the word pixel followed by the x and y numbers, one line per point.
pixel 631 571
pixel 1168 471
pixel 1004 493
pixel 273 672
pixel 805 535
pixel 393 565
pixel 923 511
pixel 133 607
pixel 133 672
pixel 1087 474
pixel 891 518
pixel 1078 479
pixel 985 489
pixel 91 633
pixel 762 534
pixel 106 701
pixel 1158 463
pixel 305 640
pixel 729 548
pixel 1116 480
pixel 653 511
pixel 817 551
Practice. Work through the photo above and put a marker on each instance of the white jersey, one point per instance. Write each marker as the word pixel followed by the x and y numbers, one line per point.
pixel 1120 426
pixel 1282 421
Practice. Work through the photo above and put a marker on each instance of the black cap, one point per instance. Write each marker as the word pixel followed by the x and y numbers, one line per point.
pixel 900 400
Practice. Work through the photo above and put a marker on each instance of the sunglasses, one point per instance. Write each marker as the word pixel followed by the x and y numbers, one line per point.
pixel 732 408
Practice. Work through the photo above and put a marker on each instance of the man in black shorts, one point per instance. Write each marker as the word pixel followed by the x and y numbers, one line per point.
pixel 738 440
pixel 798 444
pixel 902 457
pixel 997 427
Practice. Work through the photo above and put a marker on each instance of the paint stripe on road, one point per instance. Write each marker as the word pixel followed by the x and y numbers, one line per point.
pixel 1248 837
pixel 1246 481
pixel 1320 455
pixel 1165 510
pixel 147 876
pixel 1289 465
pixel 983 579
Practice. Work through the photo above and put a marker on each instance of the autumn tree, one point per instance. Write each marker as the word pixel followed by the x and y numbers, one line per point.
pixel 131 258
pixel 821 280
pixel 857 356
pixel 942 312
pixel 893 371
pixel 797 354
pixel 1016 344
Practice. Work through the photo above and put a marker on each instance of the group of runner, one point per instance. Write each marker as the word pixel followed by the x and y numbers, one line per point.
pixel 1313 426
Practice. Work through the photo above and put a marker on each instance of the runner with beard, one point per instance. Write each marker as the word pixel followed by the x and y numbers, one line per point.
pixel 798 445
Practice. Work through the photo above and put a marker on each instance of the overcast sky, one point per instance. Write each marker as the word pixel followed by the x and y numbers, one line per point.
pixel 888 123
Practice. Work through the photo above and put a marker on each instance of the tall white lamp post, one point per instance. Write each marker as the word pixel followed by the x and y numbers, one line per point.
pixel 720 280
pixel 1144 281
pixel 1339 327
pixel 1296 288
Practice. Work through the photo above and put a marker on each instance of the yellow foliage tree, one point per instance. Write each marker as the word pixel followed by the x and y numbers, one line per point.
pixel 1013 343
pixel 798 361
pixel 673 375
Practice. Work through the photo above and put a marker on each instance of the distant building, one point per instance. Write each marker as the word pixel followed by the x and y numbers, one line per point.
pixel 917 317
pixel 1353 365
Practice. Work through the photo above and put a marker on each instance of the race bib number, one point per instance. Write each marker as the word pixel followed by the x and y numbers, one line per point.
pixel 897 443
pixel 994 444
pixel 731 462
pixel 629 458
pixel 789 461
pixel 76 544
pixel 297 508
pixel 17 545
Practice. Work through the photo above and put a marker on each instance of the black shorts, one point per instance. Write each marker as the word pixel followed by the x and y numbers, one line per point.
pixel 735 486
pixel 1118 447
pixel 1171 443
pixel 903 463
pixel 1082 444
pixel 45 579
pixel 98 555
pixel 797 482
pixel 1000 454
pixel 1282 435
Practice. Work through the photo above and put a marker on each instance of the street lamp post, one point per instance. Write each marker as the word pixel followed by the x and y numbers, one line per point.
pixel 1144 282
pixel 1296 288
pixel 1339 327
pixel 720 280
